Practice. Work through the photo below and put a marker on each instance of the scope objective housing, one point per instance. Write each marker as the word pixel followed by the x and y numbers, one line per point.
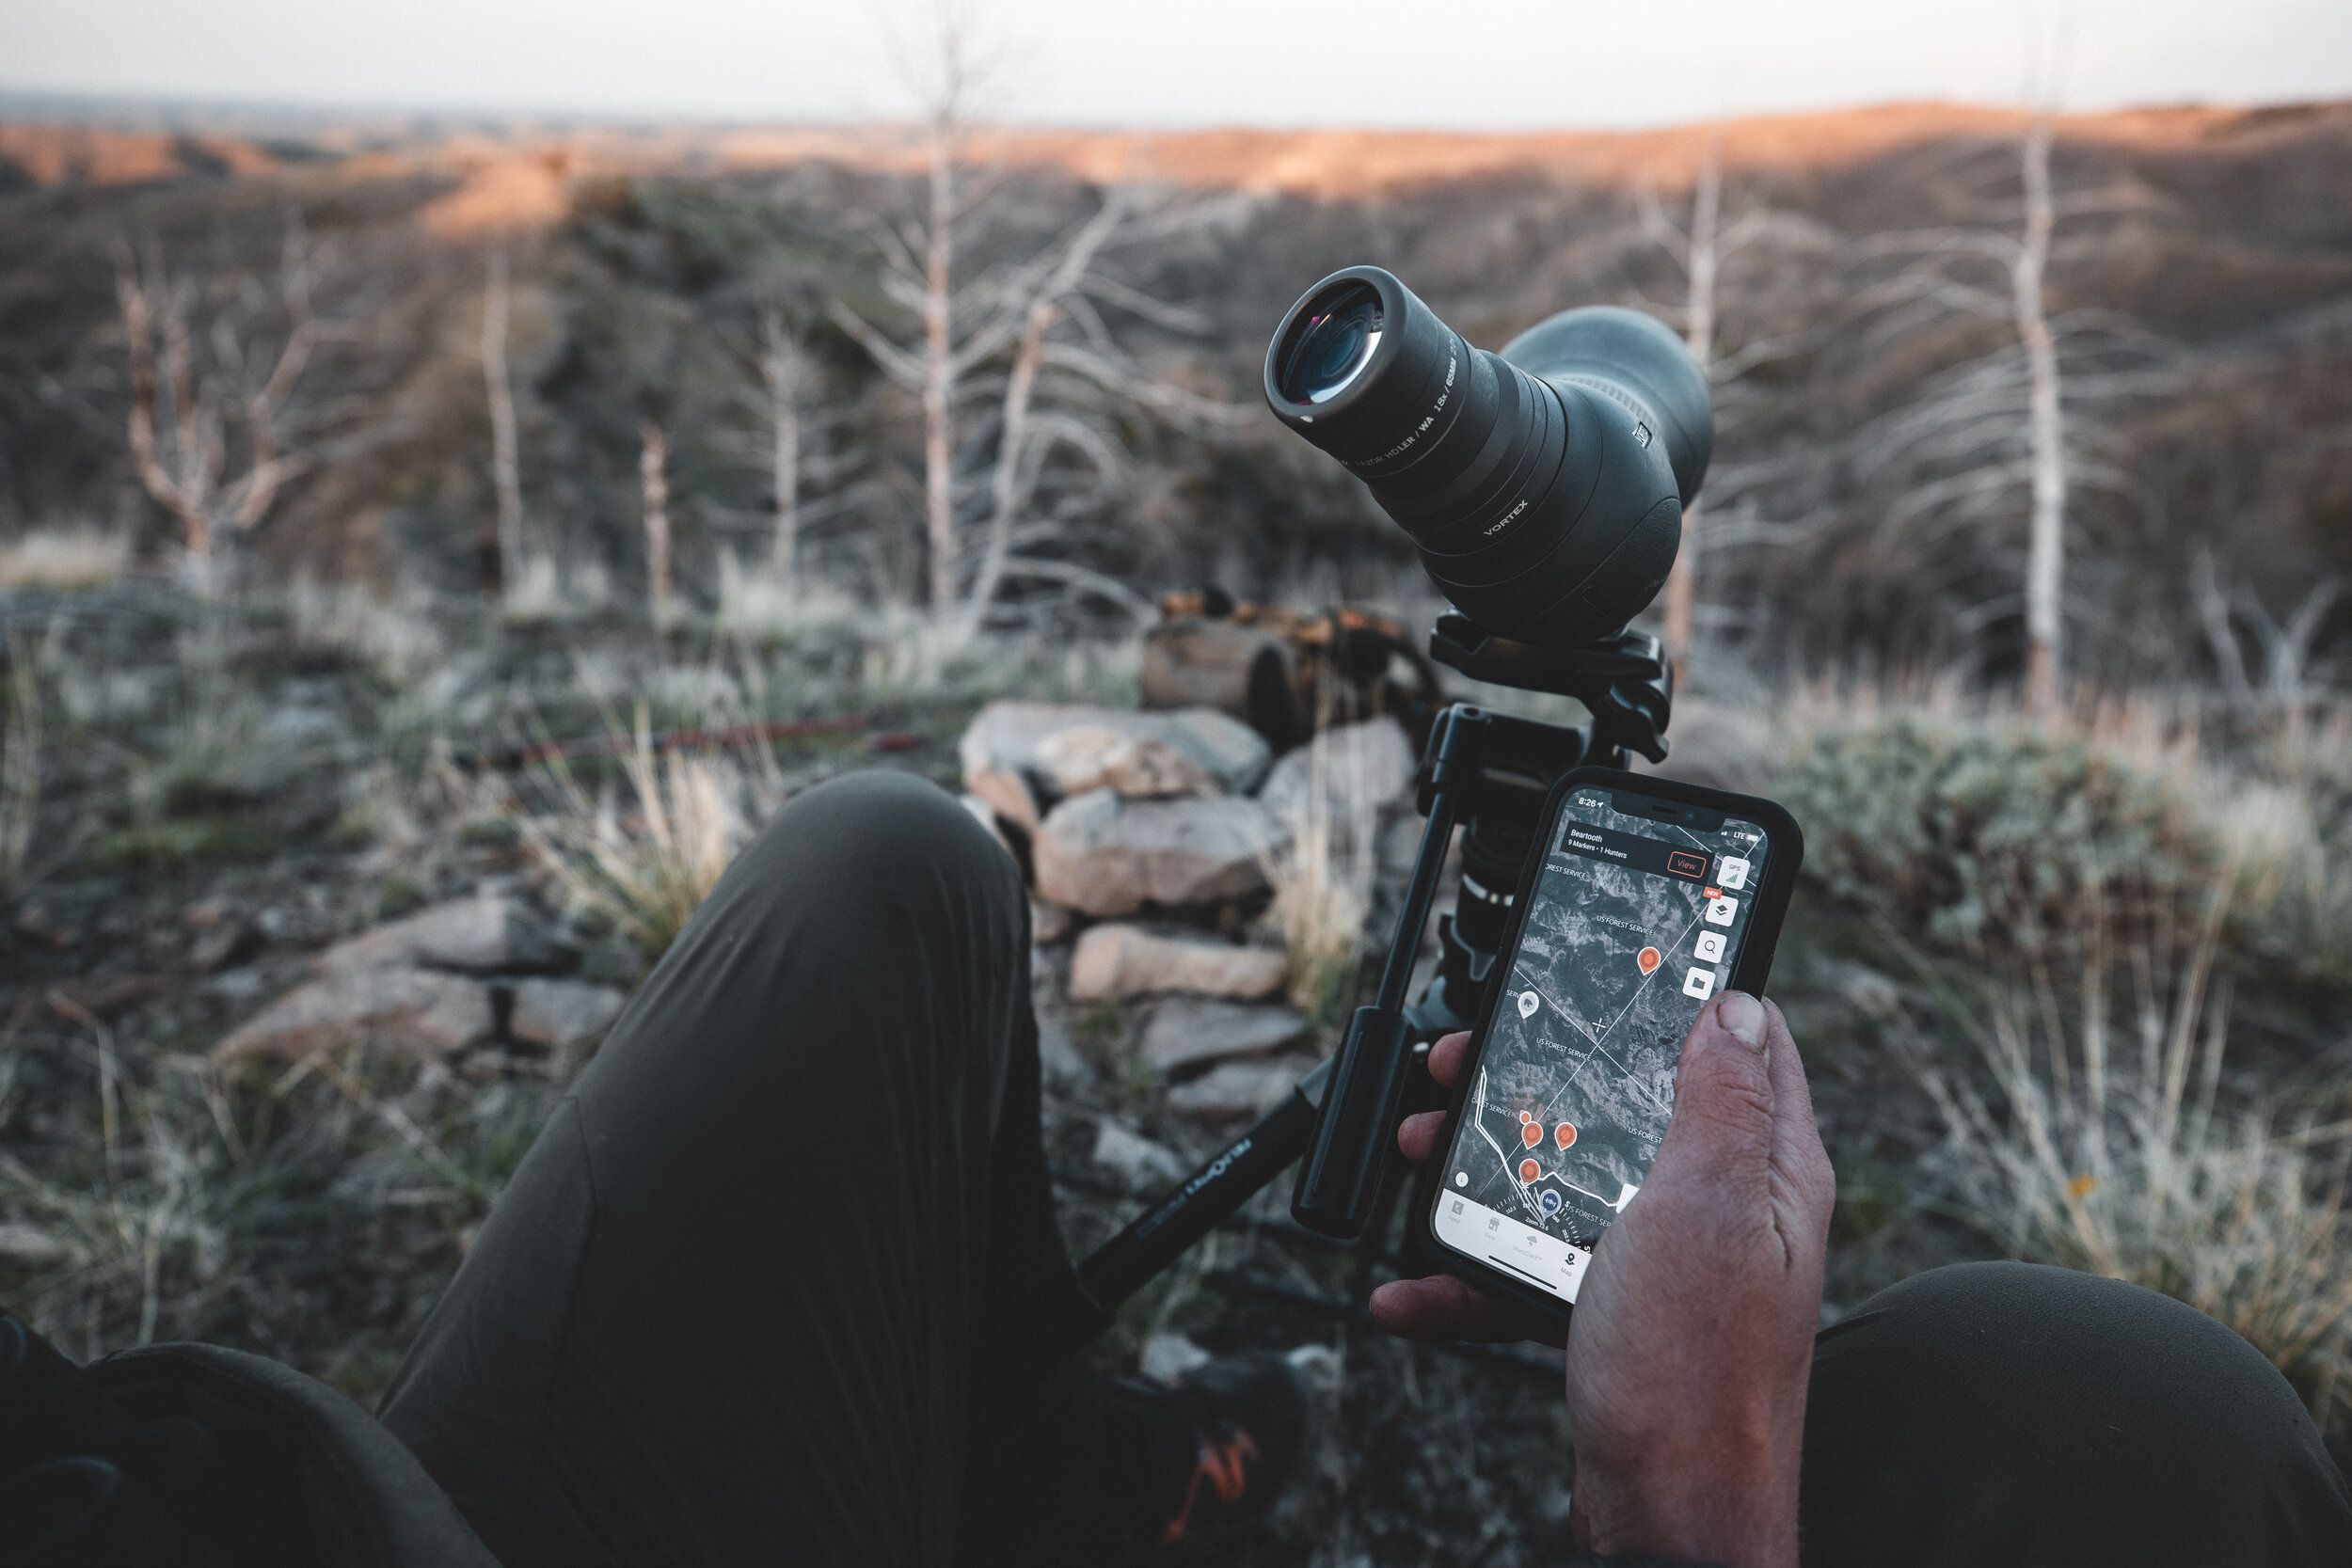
pixel 1544 484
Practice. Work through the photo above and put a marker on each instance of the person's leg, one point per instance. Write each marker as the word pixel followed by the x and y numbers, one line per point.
pixel 788 1237
pixel 2026 1417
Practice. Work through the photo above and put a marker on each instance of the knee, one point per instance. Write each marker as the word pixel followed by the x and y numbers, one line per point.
pixel 877 837
pixel 2018 1379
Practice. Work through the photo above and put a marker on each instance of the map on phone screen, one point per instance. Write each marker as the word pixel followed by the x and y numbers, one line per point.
pixel 1634 924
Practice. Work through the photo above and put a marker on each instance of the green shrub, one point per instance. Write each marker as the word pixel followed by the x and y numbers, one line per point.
pixel 1995 836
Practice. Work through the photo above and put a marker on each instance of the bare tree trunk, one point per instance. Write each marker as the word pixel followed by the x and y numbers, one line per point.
pixel 653 475
pixel 1698 335
pixel 780 365
pixel 939 370
pixel 1011 448
pixel 505 459
pixel 2045 549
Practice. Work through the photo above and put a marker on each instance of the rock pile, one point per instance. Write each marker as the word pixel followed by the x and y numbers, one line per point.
pixel 440 981
pixel 1154 842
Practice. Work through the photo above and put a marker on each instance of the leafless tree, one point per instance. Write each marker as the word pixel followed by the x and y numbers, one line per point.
pixel 2026 419
pixel 653 479
pixel 783 370
pixel 2287 671
pixel 1701 247
pixel 223 416
pixel 983 347
pixel 505 459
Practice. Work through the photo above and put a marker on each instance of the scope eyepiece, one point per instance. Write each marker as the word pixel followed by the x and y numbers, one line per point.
pixel 1544 484
pixel 1333 343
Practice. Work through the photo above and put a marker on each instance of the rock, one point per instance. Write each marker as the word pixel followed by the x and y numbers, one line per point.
pixel 1106 856
pixel 1063 1064
pixel 1133 1156
pixel 481 935
pixel 418 1010
pixel 1166 1358
pixel 1013 760
pixel 1185 1032
pixel 1050 923
pixel 1093 756
pixel 1343 778
pixel 1122 960
pixel 557 1013
pixel 1236 1091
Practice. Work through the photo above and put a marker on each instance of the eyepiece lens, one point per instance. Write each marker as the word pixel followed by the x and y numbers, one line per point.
pixel 1333 344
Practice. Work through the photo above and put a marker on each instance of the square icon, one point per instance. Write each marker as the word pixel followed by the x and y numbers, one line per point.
pixel 1732 871
pixel 1720 910
pixel 1699 983
pixel 1708 948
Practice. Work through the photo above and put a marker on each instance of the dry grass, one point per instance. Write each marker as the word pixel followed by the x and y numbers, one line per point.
pixel 1323 880
pixel 2109 1144
pixel 758 605
pixel 64 557
pixel 396 639
pixel 543 593
pixel 643 857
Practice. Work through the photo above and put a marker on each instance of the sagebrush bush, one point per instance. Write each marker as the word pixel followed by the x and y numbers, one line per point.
pixel 2108 1142
pixel 1994 835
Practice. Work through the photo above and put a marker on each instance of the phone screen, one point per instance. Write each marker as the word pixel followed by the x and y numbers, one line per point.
pixel 1633 923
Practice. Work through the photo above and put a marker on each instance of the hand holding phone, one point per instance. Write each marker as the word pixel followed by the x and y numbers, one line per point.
pixel 1692 1335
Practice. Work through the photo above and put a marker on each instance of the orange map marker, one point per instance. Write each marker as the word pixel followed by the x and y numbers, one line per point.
pixel 1565 1133
pixel 1529 1170
pixel 1532 1134
pixel 1649 959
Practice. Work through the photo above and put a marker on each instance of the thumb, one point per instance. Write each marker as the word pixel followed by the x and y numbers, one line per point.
pixel 1723 1110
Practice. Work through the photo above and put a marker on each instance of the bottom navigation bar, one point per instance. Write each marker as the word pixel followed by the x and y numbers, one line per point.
pixel 1536 1255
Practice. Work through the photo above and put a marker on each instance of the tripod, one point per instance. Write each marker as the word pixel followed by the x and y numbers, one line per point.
pixel 1490 772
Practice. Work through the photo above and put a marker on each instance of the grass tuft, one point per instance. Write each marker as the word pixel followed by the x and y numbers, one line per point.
pixel 64 559
pixel 644 856
pixel 2107 1144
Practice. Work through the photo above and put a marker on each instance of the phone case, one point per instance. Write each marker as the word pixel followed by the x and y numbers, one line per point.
pixel 1756 962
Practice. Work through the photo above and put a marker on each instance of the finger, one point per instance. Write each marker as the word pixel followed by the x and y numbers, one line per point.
pixel 1723 1110
pixel 1447 1056
pixel 1417 1135
pixel 1444 1307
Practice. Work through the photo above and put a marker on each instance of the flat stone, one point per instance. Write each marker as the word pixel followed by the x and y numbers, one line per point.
pixel 486 935
pixel 1343 779
pixel 1050 923
pixel 1106 856
pixel 1063 1064
pixel 1166 1358
pixel 1237 1090
pixel 1122 960
pixel 1136 1158
pixel 420 1010
pixel 1013 760
pixel 557 1013
pixel 1186 1031
pixel 1095 756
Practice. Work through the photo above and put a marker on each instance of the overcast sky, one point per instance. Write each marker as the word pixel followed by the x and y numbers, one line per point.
pixel 1471 63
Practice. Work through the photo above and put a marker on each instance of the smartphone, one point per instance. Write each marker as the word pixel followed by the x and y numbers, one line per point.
pixel 1648 897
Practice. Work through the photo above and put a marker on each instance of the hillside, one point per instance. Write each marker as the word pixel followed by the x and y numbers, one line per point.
pixel 2206 254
